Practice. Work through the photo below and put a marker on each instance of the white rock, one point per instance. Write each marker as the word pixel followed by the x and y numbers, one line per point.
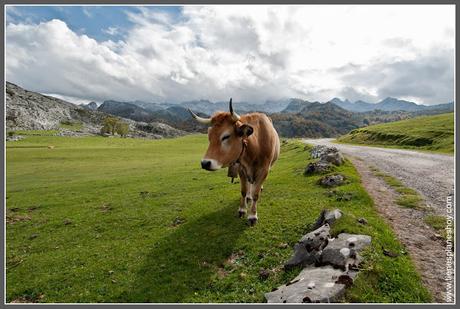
pixel 352 240
pixel 345 252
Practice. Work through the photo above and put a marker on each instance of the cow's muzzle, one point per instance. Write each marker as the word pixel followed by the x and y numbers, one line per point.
pixel 210 165
pixel 206 164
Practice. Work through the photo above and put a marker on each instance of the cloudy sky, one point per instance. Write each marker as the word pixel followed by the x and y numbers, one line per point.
pixel 250 53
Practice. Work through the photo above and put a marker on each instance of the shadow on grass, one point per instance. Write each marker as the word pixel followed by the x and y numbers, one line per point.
pixel 186 261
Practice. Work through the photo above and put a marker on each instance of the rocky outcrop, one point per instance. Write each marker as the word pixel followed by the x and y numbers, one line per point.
pixel 28 110
pixel 317 151
pixel 333 157
pixel 308 250
pixel 14 138
pixel 319 167
pixel 327 154
pixel 156 128
pixel 312 285
pixel 330 265
pixel 332 180
pixel 328 157
pixel 342 252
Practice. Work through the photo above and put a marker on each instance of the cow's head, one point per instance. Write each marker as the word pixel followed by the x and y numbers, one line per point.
pixel 225 134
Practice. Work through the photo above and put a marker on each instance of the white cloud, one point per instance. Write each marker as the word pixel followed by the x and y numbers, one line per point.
pixel 74 100
pixel 245 52
pixel 111 30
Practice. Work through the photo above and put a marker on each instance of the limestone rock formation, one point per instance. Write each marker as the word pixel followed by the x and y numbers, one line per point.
pixel 330 264
pixel 28 110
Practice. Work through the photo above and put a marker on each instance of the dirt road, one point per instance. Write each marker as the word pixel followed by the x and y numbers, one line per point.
pixel 432 175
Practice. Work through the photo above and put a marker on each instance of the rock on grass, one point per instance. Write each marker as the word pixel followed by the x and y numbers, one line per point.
pixel 332 180
pixel 319 167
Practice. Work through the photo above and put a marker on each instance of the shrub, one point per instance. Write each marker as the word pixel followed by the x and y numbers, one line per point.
pixel 113 125
pixel 67 122
pixel 109 125
pixel 122 128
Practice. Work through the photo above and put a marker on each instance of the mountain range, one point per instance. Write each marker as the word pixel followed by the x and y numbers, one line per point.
pixel 141 110
pixel 388 104
pixel 292 118
pixel 28 110
pixel 315 119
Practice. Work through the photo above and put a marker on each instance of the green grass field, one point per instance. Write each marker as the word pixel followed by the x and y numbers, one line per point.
pixel 35 132
pixel 128 220
pixel 432 133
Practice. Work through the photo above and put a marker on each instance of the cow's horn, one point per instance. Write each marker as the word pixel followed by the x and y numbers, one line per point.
pixel 200 119
pixel 235 116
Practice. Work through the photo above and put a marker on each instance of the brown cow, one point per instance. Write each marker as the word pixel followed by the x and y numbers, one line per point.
pixel 250 140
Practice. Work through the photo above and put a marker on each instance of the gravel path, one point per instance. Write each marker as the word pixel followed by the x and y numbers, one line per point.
pixel 425 247
pixel 432 175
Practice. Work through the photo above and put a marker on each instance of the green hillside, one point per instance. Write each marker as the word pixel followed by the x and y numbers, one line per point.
pixel 96 219
pixel 434 133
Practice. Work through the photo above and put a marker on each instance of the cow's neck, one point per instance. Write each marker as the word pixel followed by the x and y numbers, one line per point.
pixel 248 162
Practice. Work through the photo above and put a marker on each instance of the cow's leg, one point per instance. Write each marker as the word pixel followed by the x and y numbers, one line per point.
pixel 255 194
pixel 252 216
pixel 244 192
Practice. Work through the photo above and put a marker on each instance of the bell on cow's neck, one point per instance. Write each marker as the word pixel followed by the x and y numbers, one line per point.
pixel 233 170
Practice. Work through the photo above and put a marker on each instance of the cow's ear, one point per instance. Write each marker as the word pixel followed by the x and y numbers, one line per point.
pixel 245 130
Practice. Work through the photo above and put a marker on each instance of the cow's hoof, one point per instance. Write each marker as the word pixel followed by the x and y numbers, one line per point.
pixel 241 214
pixel 252 221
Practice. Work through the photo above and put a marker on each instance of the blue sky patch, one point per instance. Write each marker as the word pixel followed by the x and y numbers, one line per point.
pixel 98 22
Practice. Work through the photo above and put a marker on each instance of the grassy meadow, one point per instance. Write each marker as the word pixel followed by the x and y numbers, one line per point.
pixel 432 133
pixel 96 219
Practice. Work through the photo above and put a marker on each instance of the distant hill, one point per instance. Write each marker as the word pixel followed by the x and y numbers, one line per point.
pixel 434 133
pixel 91 106
pixel 358 106
pixel 389 104
pixel 125 110
pixel 315 120
pixel 204 106
pixel 393 104
pixel 151 106
pixel 28 110
pixel 173 114
pixel 274 106
pixel 209 108
pixel 177 115
pixel 333 115
pixel 295 106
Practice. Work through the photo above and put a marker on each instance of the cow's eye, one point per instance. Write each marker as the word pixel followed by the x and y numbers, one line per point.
pixel 225 137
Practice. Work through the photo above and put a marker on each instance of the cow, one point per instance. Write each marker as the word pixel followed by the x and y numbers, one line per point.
pixel 250 140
